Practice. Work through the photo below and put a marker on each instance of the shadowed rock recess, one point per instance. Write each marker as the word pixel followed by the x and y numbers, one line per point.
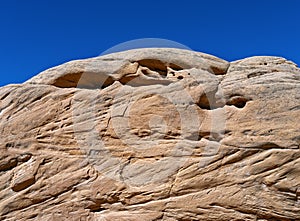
pixel 153 134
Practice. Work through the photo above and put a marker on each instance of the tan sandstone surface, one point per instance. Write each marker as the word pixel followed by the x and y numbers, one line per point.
pixel 153 134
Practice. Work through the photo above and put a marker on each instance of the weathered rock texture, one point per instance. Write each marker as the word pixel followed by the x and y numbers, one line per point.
pixel 153 134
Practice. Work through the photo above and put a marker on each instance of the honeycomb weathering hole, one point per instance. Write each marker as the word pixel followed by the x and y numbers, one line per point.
pixel 159 66
pixel 83 80
pixel 208 101
pixel 68 80
pixel 238 101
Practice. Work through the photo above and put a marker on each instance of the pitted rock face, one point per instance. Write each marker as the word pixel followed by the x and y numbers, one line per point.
pixel 153 134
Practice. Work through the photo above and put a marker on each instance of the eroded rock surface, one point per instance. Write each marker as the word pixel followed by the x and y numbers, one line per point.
pixel 153 134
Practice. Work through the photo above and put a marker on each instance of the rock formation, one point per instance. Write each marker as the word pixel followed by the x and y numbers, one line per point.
pixel 153 134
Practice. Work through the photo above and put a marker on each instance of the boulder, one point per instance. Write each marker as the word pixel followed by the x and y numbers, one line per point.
pixel 153 134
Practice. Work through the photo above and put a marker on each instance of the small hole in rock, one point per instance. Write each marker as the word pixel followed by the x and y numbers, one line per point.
pixel 238 101
pixel 9 145
pixel 208 101
pixel 180 77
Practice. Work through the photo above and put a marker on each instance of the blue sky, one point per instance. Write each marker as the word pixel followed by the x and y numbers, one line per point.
pixel 36 35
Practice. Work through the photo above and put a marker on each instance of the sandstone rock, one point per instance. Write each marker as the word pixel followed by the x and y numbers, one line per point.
pixel 153 134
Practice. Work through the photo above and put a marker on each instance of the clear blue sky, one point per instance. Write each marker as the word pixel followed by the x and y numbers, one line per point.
pixel 36 35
